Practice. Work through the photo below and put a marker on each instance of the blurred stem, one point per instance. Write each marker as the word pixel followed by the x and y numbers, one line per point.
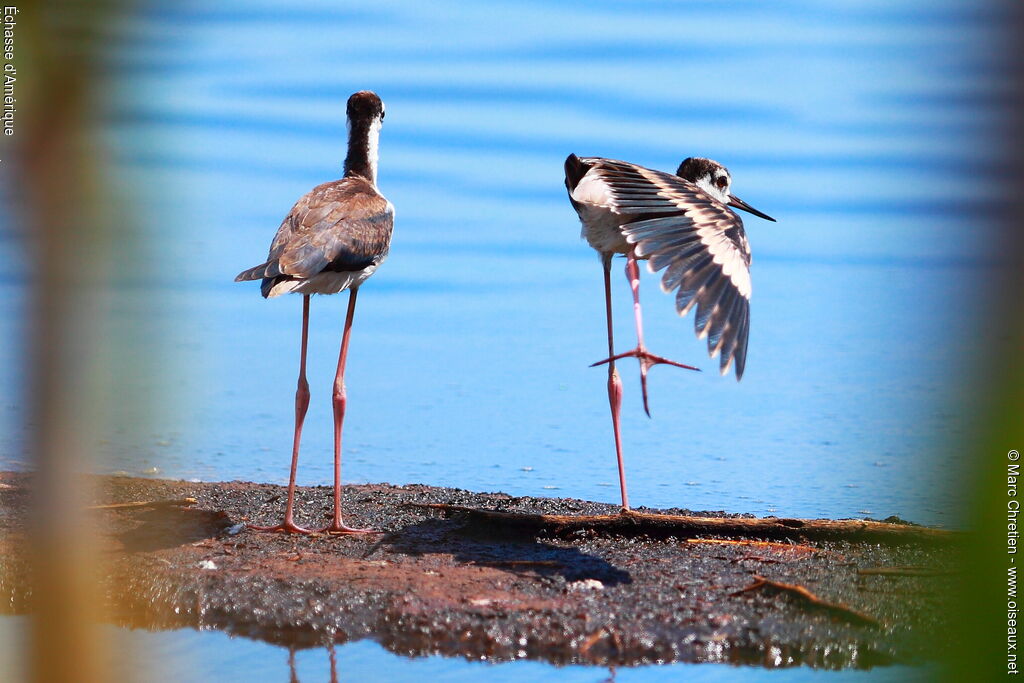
pixel 998 404
pixel 62 204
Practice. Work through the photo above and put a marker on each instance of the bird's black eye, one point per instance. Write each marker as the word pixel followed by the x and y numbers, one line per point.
pixel 382 113
pixel 721 182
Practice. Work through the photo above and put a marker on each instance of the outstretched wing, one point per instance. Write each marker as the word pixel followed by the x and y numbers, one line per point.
pixel 341 226
pixel 699 243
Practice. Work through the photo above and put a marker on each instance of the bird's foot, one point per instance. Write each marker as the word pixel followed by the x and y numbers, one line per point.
pixel 340 528
pixel 286 527
pixel 647 361
pixel 646 358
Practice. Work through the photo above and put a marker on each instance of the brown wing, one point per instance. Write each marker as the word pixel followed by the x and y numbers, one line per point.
pixel 340 226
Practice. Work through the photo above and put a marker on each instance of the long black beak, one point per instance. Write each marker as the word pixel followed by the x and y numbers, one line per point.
pixel 740 204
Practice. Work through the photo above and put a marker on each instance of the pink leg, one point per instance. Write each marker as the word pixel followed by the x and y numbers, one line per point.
pixel 647 359
pixel 338 527
pixel 614 383
pixel 301 404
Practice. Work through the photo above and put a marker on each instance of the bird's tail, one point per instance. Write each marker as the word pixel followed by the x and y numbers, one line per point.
pixel 255 273
pixel 575 169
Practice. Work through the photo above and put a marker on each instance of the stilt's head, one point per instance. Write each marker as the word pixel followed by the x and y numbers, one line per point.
pixel 716 181
pixel 365 106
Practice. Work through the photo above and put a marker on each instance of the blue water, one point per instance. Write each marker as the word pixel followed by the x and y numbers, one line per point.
pixel 862 127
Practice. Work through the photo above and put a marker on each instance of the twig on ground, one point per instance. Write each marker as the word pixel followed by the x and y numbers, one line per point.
pixel 518 563
pixel 839 610
pixel 904 571
pixel 633 522
pixel 177 502
pixel 753 558
pixel 592 640
pixel 768 545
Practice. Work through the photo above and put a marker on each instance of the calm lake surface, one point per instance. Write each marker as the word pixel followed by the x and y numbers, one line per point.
pixel 860 126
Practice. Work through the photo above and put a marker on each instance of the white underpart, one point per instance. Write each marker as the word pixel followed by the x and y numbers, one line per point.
pixel 601 222
pixel 327 282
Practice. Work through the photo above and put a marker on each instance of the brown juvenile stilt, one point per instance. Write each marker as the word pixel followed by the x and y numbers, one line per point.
pixel 334 238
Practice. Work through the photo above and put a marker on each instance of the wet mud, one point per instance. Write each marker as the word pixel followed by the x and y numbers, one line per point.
pixel 442 582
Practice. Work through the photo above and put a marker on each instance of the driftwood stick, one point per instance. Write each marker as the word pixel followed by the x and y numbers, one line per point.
pixel 176 502
pixel 903 571
pixel 849 614
pixel 517 563
pixel 592 639
pixel 766 545
pixel 776 528
pixel 755 558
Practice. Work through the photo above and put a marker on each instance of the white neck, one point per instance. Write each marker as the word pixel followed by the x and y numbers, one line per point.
pixel 372 153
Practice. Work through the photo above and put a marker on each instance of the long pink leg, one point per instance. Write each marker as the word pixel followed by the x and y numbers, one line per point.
pixel 301 404
pixel 647 359
pixel 614 383
pixel 340 400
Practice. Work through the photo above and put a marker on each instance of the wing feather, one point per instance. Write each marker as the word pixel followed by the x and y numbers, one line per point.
pixel 707 300
pixel 720 320
pixel 341 226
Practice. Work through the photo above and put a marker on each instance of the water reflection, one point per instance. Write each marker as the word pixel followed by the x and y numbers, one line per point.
pixel 293 674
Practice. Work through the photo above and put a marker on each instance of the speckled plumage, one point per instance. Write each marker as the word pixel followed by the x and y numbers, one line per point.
pixel 333 238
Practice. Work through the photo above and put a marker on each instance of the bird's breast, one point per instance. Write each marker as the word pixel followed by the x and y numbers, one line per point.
pixel 603 231
pixel 602 225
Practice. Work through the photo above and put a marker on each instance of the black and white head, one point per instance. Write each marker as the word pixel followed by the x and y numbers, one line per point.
pixel 716 181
